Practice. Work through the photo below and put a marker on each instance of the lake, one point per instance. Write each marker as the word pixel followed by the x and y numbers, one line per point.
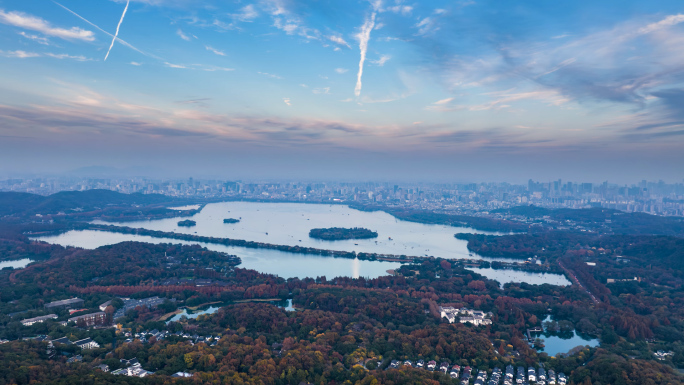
pixel 555 344
pixel 288 265
pixel 195 314
pixel 289 224
pixel 285 304
pixel 16 264
pixel 507 275
pixel 283 264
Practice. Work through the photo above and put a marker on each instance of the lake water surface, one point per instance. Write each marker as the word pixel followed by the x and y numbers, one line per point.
pixel 556 343
pixel 507 275
pixel 288 265
pixel 283 264
pixel 193 314
pixel 16 264
pixel 289 224
pixel 284 304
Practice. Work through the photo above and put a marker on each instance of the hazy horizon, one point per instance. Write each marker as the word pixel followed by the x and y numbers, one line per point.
pixel 101 172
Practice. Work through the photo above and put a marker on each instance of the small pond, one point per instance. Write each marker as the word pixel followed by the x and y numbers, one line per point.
pixel 563 342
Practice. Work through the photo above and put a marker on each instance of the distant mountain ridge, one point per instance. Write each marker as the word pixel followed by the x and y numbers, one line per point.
pixel 13 203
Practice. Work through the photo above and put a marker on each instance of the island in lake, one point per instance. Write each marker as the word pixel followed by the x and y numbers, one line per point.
pixel 231 220
pixel 187 223
pixel 338 233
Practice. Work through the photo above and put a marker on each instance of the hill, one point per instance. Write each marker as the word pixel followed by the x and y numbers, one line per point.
pixel 16 203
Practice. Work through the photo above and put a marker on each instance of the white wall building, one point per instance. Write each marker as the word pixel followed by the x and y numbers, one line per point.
pixel 31 321
pixel 87 343
pixel 463 315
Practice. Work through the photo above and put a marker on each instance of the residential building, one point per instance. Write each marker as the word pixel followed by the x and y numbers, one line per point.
pixel 91 319
pixel 76 358
pixel 661 354
pixel 130 304
pixel 463 315
pixel 104 305
pixel 63 340
pixel 132 371
pixel 31 321
pixel 87 343
pixel 131 362
pixel 65 304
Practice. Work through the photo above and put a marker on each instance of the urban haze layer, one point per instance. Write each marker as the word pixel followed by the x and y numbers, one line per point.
pixel 658 198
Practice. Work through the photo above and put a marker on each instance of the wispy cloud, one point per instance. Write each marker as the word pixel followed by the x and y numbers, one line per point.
pixel 427 25
pixel 27 55
pixel 274 76
pixel 182 35
pixel 501 100
pixel 339 40
pixel 196 67
pixel 178 66
pixel 33 23
pixel 215 51
pixel 443 101
pixel 669 21
pixel 209 68
pixel 19 54
pixel 38 39
pixel 341 70
pixel 246 14
pixel 202 102
pixel 321 91
pixel 80 113
pixel 66 56
pixel 402 9
pixel 613 65
pixel 382 60
pixel 287 21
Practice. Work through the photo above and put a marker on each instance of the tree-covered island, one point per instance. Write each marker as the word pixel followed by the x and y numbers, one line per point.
pixel 231 220
pixel 187 223
pixel 338 233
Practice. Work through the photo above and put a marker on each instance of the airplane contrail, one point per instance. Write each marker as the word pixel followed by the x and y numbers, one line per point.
pixel 117 30
pixel 363 37
pixel 107 33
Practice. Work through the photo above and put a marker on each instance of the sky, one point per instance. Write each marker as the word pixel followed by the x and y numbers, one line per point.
pixel 469 90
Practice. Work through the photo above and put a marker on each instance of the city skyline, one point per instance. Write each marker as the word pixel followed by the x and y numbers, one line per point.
pixel 658 198
pixel 388 90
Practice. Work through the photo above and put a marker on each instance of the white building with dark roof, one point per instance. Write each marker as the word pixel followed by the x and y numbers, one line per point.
pixel 43 318
pixel 463 315
pixel 87 343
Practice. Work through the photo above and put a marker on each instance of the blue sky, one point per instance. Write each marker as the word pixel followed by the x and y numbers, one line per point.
pixel 470 90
